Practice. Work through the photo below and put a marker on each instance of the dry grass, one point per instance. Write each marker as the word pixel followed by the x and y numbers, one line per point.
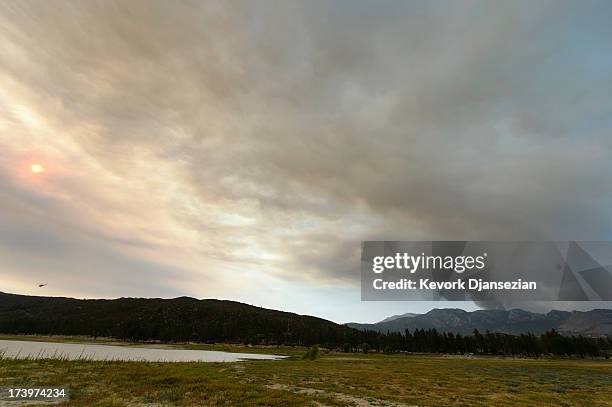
pixel 332 379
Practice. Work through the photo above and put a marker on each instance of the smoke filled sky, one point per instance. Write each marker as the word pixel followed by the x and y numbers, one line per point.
pixel 243 150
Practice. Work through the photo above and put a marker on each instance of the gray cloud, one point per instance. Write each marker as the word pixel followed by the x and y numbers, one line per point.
pixel 274 137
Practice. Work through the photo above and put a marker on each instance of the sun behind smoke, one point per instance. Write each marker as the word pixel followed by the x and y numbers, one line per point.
pixel 37 168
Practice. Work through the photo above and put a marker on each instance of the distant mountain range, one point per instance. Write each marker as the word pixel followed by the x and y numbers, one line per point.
pixel 388 319
pixel 394 317
pixel 590 323
pixel 209 320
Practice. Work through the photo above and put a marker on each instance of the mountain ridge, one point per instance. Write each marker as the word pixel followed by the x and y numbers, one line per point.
pixel 176 319
pixel 597 322
pixel 210 320
pixel 394 317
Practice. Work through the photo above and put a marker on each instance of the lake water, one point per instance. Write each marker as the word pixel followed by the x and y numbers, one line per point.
pixel 23 349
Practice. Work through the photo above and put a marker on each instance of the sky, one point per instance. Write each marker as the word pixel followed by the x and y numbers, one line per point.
pixel 243 150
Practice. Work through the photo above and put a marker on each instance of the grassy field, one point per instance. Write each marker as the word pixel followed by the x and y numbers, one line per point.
pixel 332 380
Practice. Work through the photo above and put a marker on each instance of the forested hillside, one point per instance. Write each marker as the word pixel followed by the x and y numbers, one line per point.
pixel 178 319
pixel 187 319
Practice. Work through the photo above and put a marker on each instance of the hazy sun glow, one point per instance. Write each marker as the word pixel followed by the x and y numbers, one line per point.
pixel 37 168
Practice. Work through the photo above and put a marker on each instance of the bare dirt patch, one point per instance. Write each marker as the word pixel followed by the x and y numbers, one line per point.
pixel 352 400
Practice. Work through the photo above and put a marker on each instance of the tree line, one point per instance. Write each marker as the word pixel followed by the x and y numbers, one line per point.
pixel 209 321
pixel 488 343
